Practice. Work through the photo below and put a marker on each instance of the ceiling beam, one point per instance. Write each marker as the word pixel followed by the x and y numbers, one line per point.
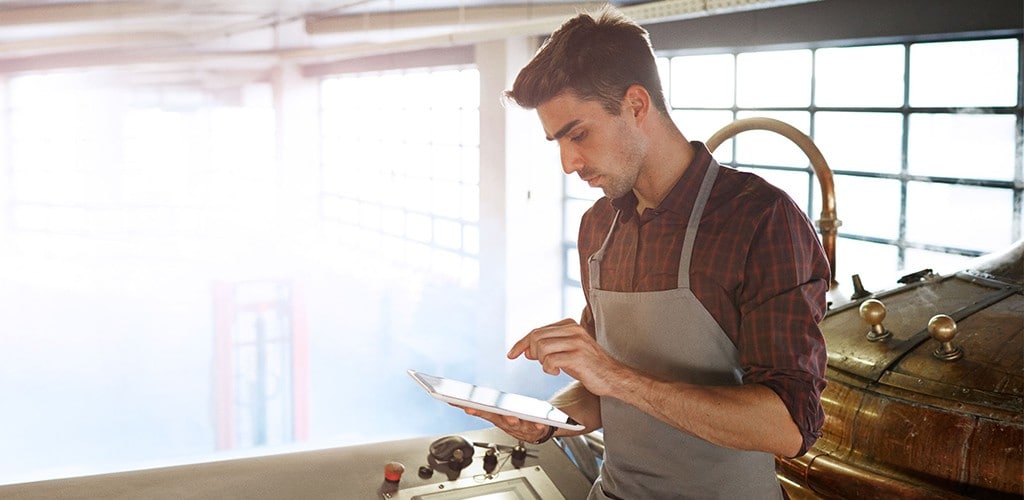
pixel 84 42
pixel 139 60
pixel 654 11
pixel 433 18
pixel 57 13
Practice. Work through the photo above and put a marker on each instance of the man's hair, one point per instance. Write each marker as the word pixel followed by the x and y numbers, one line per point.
pixel 596 57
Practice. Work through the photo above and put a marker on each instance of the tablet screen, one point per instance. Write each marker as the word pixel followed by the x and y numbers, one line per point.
pixel 492 400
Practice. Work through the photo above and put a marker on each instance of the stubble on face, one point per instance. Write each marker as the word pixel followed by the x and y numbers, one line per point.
pixel 626 162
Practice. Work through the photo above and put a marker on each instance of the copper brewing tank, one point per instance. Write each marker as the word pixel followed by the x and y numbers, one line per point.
pixel 925 395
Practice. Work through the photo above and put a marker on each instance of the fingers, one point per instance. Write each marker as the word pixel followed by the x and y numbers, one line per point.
pixel 527 346
pixel 513 426
pixel 521 347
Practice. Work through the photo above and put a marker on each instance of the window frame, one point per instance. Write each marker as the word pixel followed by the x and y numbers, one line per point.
pixel 904 177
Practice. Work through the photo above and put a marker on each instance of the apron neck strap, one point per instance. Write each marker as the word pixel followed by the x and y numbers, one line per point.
pixel 594 262
pixel 694 222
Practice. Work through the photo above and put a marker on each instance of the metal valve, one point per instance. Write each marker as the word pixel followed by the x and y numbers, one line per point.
pixel 943 328
pixel 873 311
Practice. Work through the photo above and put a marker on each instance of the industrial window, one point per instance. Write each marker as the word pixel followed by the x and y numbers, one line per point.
pixel 927 174
pixel 400 208
pixel 400 171
pixel 166 298
pixel 128 215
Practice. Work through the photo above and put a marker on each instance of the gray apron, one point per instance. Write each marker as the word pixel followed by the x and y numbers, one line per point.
pixel 670 334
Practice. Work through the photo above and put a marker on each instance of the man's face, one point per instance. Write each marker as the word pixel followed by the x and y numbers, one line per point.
pixel 604 150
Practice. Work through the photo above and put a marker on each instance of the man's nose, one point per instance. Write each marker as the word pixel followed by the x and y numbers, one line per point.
pixel 571 161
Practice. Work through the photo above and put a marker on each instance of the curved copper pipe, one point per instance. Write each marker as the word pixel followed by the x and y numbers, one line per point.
pixel 828 224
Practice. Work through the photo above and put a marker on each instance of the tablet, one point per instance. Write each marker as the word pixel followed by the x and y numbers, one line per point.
pixel 492 400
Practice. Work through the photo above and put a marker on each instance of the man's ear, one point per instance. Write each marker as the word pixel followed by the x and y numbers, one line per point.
pixel 638 101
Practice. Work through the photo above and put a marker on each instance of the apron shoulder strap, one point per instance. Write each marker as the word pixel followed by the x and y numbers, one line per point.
pixel 594 262
pixel 694 222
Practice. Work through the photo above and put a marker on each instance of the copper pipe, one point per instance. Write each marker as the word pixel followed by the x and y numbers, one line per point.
pixel 828 224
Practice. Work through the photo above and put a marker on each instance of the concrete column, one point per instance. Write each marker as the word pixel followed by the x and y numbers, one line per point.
pixel 520 202
pixel 296 108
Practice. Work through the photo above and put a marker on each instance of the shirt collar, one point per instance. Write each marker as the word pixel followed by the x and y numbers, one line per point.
pixel 675 201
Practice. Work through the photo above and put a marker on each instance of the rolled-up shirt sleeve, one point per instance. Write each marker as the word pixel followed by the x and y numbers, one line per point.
pixel 782 301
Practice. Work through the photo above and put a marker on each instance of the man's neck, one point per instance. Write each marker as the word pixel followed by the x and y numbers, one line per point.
pixel 668 160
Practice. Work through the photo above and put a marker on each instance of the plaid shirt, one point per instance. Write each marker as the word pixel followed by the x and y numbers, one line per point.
pixel 757 267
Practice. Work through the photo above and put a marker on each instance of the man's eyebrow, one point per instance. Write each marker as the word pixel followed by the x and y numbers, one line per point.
pixel 564 130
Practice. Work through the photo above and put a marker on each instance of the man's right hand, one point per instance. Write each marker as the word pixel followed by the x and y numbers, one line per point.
pixel 565 346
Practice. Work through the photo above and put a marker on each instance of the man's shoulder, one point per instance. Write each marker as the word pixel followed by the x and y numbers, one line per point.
pixel 746 191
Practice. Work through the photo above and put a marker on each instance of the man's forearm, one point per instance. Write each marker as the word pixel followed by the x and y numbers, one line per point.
pixel 745 417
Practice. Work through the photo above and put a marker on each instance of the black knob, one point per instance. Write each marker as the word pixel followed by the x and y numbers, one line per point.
pixel 519 452
pixel 490 461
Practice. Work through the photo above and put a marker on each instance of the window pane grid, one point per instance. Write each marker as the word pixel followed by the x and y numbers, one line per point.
pixel 886 130
pixel 404 186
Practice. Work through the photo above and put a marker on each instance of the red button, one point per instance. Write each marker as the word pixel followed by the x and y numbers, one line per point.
pixel 393 471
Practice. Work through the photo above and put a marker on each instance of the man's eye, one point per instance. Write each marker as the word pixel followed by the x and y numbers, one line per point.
pixel 578 137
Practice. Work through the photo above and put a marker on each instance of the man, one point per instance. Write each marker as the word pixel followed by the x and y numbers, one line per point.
pixel 698 352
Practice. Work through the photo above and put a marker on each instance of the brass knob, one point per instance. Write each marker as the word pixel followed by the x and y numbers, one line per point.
pixel 943 329
pixel 873 311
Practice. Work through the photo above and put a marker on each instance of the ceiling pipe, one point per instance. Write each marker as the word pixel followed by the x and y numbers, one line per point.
pixel 651 12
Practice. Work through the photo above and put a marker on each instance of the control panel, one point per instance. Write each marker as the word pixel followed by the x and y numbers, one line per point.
pixel 473 469
pixel 475 464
